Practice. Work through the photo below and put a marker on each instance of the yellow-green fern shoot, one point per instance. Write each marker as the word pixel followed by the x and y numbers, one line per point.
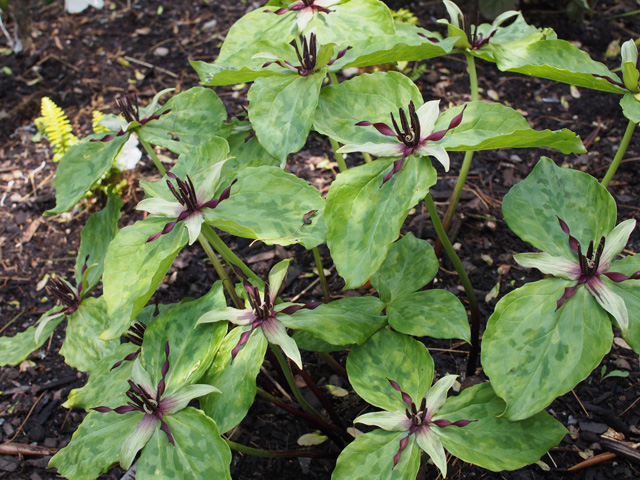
pixel 56 127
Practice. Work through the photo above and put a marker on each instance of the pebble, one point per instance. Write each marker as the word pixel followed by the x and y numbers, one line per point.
pixel 8 429
pixel 161 52
pixel 36 433
pixel 50 442
pixel 8 464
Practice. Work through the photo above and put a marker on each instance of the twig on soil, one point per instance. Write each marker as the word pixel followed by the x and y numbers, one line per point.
pixel 595 460
pixel 275 383
pixel 309 287
pixel 21 449
pixel 583 409
pixel 629 407
pixel 149 65
pixel 12 320
pixel 25 420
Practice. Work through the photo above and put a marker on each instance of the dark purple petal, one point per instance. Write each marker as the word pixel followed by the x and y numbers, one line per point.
pixel 340 55
pixel 102 409
pixel 405 396
pixel 280 11
pixel 165 428
pixel 165 369
pixel 294 308
pixel 431 39
pixel 223 196
pixel 383 128
pixel 153 117
pixel 403 444
pixel 635 276
pixel 616 276
pixel 109 137
pixel 125 409
pixel 611 81
pixel 128 358
pixel 568 292
pixel 397 166
pixel 573 243
pixel 167 228
pixel 446 423
pixel 435 136
pixel 244 338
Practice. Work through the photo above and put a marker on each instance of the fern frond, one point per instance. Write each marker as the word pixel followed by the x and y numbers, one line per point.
pixel 97 117
pixel 57 128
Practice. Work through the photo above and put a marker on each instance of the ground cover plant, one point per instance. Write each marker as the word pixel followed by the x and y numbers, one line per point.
pixel 170 382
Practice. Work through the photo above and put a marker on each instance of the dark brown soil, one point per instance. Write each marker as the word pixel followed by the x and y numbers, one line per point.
pixel 82 61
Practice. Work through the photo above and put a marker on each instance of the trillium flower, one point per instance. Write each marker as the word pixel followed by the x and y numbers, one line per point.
pixel 189 203
pixel 306 9
pixel 587 269
pixel 151 401
pixel 460 26
pixel 262 314
pixel 413 136
pixel 136 335
pixel 421 422
pixel 308 58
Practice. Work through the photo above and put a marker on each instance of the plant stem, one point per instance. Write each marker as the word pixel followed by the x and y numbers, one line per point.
pixel 333 78
pixel 322 397
pixel 333 363
pixel 367 157
pixel 259 452
pixel 622 149
pixel 466 283
pixel 473 76
pixel 153 156
pixel 227 254
pixel 342 166
pixel 323 279
pixel 228 284
pixel 292 384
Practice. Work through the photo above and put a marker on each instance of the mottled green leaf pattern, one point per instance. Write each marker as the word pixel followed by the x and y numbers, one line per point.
pixel 394 356
pixel 533 353
pixel 199 451
pixel 134 269
pixel 82 348
pixel 530 208
pixel 629 290
pixel 269 204
pixel 236 380
pixel 80 167
pixel 364 217
pixel 429 313
pixel 491 441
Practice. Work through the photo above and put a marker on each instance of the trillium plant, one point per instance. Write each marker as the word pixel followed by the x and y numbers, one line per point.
pixel 170 383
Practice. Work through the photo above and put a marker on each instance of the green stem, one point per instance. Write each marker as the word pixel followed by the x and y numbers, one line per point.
pixel 227 254
pixel 228 284
pixel 323 279
pixel 333 363
pixel 622 149
pixel 292 384
pixel 339 158
pixel 153 156
pixel 466 283
pixel 259 452
pixel 367 157
pixel 333 78
pixel 473 76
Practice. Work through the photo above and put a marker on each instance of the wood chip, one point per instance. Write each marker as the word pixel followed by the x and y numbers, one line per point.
pixel 30 231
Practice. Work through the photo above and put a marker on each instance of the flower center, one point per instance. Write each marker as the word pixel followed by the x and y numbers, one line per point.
pixel 136 333
pixel 63 292
pixel 590 262
pixel 128 107
pixel 308 58
pixel 308 3
pixel 140 399
pixel 417 416
pixel 185 193
pixel 407 133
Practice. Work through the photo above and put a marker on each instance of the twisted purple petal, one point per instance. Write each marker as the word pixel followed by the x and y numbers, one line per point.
pixel 574 244
pixel 223 196
pixel 165 428
pixel 383 128
pixel 397 166
pixel 403 444
pixel 405 396
pixel 568 293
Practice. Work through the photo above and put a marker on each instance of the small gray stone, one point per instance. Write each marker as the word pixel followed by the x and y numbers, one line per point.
pixel 8 429
pixel 161 52
pixel 8 464
pixel 50 442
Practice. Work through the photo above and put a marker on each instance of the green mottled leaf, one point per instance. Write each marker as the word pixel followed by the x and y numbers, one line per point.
pixel 134 269
pixel 491 441
pixel 95 445
pixel 631 107
pixel 487 126
pixel 533 353
pixel 281 109
pixel 236 380
pixel 80 167
pixel 364 217
pixel 105 387
pixel 82 349
pixel 409 266
pixel 248 153
pixel 556 60
pixel 269 204
pixel 530 208
pixel 405 45
pixel 629 290
pixel 195 115
pixel 14 350
pixel 370 97
pixel 99 230
pixel 345 321
pixel 430 313
pixel 371 456
pixel 199 451
pixel 192 348
pixel 388 355
pixel 306 341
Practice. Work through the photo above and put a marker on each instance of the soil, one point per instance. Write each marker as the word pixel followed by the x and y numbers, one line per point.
pixel 82 61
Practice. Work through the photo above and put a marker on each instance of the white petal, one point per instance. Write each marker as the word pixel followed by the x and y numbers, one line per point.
pixel 194 223
pixel 276 333
pixel 43 323
pixel 556 266
pixel 160 206
pixel 207 187
pixel 500 19
pixel 141 377
pixel 377 149
pixel 179 400
pixel 428 114
pixel 454 12
pixel 326 3
pixel 304 17
pixel 437 394
pixel 435 151
pixel 277 276
pixel 629 52
pixel 390 421
pixel 267 55
pixel 137 440
pixel 431 444
pixel 615 242
pixel 611 302
pixel 233 315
